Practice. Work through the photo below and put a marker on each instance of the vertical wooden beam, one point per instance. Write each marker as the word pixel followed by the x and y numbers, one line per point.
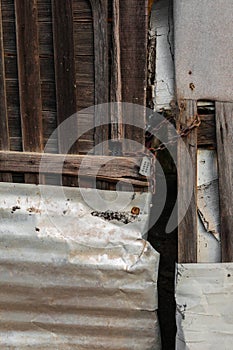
pixel 4 132
pixel 64 63
pixel 64 58
pixel 29 78
pixel 224 132
pixel 100 17
pixel 133 38
pixel 116 84
pixel 187 230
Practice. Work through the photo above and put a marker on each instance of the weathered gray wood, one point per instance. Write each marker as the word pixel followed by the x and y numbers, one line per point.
pixel 187 230
pixel 111 169
pixel 100 15
pixel 224 131
pixel 29 78
pixel 4 132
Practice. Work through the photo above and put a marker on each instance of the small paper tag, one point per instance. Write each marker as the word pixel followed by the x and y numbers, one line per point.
pixel 145 167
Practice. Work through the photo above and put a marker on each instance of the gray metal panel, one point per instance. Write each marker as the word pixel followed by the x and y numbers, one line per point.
pixel 204 294
pixel 70 280
pixel 209 245
pixel 204 49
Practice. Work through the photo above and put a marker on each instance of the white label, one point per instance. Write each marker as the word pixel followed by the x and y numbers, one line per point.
pixel 145 167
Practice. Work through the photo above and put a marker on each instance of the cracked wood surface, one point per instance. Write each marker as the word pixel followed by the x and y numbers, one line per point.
pixel 187 230
pixel 109 168
pixel 224 130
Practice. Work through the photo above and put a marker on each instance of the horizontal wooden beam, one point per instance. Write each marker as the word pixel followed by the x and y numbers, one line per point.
pixel 107 168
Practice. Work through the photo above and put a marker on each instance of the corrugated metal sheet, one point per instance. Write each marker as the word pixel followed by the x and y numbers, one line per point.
pixel 71 280
pixel 204 295
pixel 203 49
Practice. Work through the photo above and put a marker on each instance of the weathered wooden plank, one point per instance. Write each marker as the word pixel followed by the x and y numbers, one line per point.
pixel 64 59
pixel 187 230
pixel 133 38
pixel 116 84
pixel 224 131
pixel 29 78
pixel 4 132
pixel 85 95
pixel 85 68
pixel 64 63
pixel 101 167
pixel 206 133
pixel 100 15
pixel 82 10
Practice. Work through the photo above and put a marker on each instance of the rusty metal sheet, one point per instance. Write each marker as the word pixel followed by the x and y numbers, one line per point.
pixel 204 294
pixel 203 49
pixel 73 280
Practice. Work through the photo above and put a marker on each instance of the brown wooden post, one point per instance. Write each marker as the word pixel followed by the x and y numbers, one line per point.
pixel 64 58
pixel 116 83
pixel 100 25
pixel 133 39
pixel 4 132
pixel 29 78
pixel 187 230
pixel 224 131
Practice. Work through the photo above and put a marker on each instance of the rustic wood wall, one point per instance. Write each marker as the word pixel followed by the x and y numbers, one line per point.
pixel 214 133
pixel 56 58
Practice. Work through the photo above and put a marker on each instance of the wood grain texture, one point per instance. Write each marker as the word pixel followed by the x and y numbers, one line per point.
pixel 64 58
pixel 4 132
pixel 224 131
pixel 133 38
pixel 110 169
pixel 116 84
pixel 187 230
pixel 29 78
pixel 62 14
pixel 206 133
pixel 100 16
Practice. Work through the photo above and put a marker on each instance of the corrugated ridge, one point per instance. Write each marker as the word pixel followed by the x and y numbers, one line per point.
pixel 58 294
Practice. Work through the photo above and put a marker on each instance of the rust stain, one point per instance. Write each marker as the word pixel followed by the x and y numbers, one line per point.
pixel 150 4
pixel 34 210
pixel 192 86
pixel 135 211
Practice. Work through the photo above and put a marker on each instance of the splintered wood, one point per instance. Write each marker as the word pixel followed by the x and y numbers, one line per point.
pixel 112 169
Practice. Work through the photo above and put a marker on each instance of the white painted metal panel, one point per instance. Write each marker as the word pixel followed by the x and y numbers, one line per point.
pixel 162 29
pixel 71 280
pixel 209 247
pixel 204 49
pixel 204 294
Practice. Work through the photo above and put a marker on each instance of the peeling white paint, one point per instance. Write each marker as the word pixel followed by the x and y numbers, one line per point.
pixel 209 249
pixel 162 29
